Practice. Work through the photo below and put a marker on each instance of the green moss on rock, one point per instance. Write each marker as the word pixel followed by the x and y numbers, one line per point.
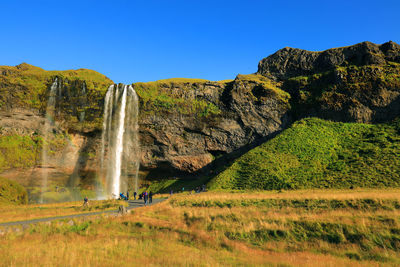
pixel 178 95
pixel 12 193
pixel 24 84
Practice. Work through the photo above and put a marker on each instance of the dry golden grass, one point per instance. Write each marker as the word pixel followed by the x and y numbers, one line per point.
pixel 12 213
pixel 171 234
pixel 392 193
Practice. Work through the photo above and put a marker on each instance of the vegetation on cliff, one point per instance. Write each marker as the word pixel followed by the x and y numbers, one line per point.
pixel 264 88
pixel 25 85
pixel 351 93
pixel 179 96
pixel 12 193
pixel 24 151
pixel 314 153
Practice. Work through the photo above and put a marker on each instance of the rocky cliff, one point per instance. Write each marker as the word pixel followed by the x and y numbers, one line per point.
pixel 359 83
pixel 189 125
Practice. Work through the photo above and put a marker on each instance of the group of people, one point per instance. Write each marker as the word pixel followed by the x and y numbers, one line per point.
pixel 146 196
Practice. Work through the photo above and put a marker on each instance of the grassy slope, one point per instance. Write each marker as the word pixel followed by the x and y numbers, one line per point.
pixel 314 153
pixel 306 228
pixel 12 193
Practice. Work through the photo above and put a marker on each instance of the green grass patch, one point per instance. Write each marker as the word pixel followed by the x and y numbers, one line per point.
pixel 314 153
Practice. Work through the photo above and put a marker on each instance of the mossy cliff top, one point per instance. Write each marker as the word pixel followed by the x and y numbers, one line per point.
pixel 195 97
pixel 24 85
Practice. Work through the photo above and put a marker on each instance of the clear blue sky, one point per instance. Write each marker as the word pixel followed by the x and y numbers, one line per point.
pixel 132 41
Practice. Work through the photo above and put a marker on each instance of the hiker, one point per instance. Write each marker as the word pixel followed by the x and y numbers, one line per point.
pixel 140 195
pixel 127 195
pixel 171 192
pixel 122 196
pixel 86 202
pixel 134 195
pixel 145 196
pixel 203 188
pixel 151 197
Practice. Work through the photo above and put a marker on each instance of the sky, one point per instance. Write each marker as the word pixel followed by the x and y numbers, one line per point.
pixel 132 41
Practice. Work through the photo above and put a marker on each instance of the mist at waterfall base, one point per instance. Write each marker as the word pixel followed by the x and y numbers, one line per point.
pixel 118 153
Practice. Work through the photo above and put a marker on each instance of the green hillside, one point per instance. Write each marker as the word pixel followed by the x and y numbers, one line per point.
pixel 314 153
pixel 12 193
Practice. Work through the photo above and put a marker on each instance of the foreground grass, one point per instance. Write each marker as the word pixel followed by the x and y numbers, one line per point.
pixel 314 153
pixel 301 228
pixel 12 213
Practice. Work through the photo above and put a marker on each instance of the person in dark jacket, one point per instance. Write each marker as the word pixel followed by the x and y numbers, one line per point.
pixel 134 195
pixel 151 197
pixel 145 197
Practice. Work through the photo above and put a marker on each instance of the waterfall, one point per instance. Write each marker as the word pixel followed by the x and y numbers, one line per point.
pixel 119 146
pixel 119 140
pixel 48 123
pixel 82 100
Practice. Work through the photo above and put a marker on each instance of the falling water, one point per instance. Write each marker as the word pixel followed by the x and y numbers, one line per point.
pixel 49 122
pixel 119 146
pixel 135 136
pixel 106 122
pixel 120 142
pixel 82 101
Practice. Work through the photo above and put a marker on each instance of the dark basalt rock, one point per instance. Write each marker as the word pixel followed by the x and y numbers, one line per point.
pixel 290 62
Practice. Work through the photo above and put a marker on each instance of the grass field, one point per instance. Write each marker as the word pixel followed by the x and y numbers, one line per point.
pixel 290 228
pixel 12 213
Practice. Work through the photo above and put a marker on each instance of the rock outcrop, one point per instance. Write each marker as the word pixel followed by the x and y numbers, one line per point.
pixel 359 83
pixel 291 62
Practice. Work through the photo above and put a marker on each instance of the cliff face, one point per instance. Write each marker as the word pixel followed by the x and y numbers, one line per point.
pixel 189 125
pixel 209 119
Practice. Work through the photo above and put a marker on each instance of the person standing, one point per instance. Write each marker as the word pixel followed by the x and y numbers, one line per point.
pixel 134 195
pixel 86 202
pixel 150 197
pixel 145 196
pixel 127 195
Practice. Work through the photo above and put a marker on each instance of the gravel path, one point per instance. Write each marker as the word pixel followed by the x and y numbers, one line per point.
pixel 132 205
